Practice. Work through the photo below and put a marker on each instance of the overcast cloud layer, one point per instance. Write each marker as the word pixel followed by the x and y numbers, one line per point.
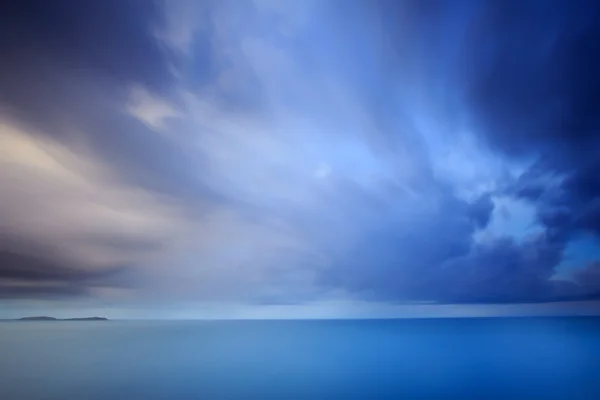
pixel 286 153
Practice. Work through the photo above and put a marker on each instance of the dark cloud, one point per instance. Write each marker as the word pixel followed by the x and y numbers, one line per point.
pixel 79 63
pixel 536 90
pixel 113 38
pixel 404 258
pixel 532 79
pixel 533 93
pixel 502 271
pixel 23 275
pixel 532 86
pixel 481 211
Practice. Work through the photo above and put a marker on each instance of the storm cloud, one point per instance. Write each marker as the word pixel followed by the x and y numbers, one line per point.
pixel 270 153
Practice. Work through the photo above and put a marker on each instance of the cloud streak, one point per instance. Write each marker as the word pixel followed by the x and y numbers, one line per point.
pixel 263 152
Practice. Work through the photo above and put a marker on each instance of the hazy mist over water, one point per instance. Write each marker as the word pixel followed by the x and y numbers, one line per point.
pixel 508 358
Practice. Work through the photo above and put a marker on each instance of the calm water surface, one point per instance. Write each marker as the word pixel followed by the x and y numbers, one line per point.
pixel 526 358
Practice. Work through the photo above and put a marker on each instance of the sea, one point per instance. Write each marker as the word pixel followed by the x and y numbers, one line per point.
pixel 460 358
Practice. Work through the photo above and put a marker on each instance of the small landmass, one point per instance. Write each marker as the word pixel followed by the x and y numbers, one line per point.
pixel 43 318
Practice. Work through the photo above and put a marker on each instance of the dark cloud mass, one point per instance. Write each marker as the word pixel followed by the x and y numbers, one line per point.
pixel 23 275
pixel 111 38
pixel 66 69
pixel 78 62
pixel 536 95
pixel 262 152
pixel 533 91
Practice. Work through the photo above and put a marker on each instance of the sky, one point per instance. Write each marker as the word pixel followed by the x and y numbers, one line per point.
pixel 299 159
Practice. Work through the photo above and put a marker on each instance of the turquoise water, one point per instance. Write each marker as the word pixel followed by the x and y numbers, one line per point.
pixel 545 358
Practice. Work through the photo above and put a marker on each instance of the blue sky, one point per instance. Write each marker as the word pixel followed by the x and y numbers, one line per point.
pixel 299 159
